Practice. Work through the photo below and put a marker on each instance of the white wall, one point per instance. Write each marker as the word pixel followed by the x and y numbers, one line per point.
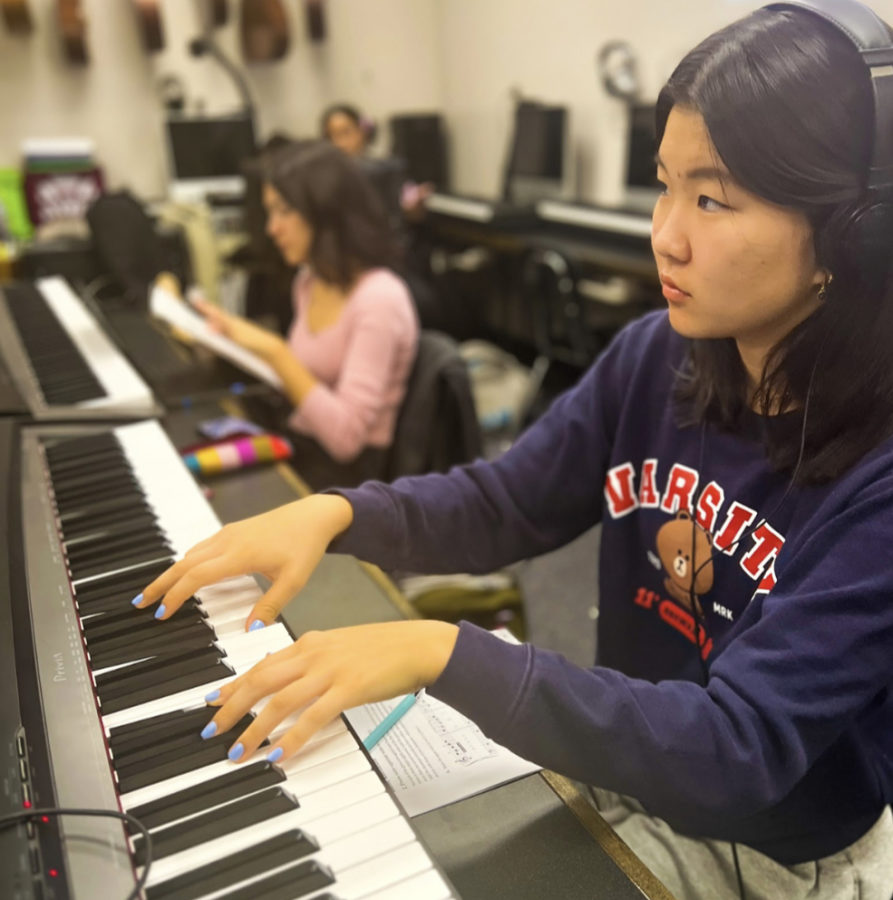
pixel 461 56
pixel 547 49
pixel 382 55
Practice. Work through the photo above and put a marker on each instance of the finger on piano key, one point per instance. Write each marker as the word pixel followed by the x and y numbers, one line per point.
pixel 320 750
pixel 171 590
pixel 244 651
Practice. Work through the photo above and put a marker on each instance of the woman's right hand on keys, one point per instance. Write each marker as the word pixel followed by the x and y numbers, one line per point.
pixel 285 545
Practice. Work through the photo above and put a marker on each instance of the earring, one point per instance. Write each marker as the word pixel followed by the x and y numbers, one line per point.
pixel 823 290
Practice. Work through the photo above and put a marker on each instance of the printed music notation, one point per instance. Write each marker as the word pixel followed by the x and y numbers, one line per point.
pixel 434 755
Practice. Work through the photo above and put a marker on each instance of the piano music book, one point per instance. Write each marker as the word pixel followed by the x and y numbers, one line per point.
pixel 165 305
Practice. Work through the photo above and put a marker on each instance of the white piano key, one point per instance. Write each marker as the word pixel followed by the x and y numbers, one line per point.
pixel 425 886
pixel 373 840
pixel 169 487
pixel 242 658
pixel 343 803
pixel 294 785
pixel 344 799
pixel 314 767
pixel 375 875
pixel 124 388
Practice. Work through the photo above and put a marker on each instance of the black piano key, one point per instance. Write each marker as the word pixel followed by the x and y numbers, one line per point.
pixel 152 563
pixel 208 673
pixel 138 513
pixel 240 782
pixel 100 627
pixel 122 607
pixel 236 867
pixel 71 491
pixel 158 662
pixel 66 448
pixel 155 631
pixel 111 548
pixel 136 755
pixel 96 563
pixel 116 656
pixel 121 617
pixel 74 482
pixel 216 822
pixel 110 611
pixel 127 683
pixel 128 524
pixel 109 457
pixel 95 508
pixel 211 752
pixel 184 758
pixel 166 723
pixel 286 884
pixel 120 585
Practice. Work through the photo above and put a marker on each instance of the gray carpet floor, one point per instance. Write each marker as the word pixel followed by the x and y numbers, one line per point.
pixel 561 598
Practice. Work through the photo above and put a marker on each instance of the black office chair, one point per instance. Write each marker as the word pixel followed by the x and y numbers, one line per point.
pixel 437 426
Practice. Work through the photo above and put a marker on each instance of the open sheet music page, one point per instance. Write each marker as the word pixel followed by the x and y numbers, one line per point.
pixel 167 306
pixel 434 756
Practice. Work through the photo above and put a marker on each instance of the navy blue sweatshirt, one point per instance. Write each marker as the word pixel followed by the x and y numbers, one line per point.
pixel 789 746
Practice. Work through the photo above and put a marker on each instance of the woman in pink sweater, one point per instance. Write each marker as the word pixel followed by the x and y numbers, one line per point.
pixel 348 354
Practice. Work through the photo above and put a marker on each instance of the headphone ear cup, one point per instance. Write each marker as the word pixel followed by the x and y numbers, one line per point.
pixel 856 243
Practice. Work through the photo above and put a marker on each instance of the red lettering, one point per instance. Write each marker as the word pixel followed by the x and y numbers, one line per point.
pixel 768 581
pixel 681 485
pixel 708 506
pixel 737 520
pixel 684 623
pixel 766 544
pixel 648 490
pixel 619 490
pixel 645 598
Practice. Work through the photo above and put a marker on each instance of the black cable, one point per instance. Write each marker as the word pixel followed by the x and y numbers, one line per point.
pixel 14 818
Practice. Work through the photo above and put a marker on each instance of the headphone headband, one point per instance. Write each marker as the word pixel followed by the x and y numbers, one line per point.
pixel 871 37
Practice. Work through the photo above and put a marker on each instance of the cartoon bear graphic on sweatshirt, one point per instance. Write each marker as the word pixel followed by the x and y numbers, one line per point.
pixel 675 541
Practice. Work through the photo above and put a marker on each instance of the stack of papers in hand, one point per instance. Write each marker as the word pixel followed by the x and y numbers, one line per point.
pixel 170 308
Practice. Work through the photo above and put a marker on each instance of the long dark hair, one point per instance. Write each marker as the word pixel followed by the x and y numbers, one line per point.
pixel 350 227
pixel 787 102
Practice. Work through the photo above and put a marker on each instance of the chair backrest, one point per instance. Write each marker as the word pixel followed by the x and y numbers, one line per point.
pixel 126 242
pixel 437 426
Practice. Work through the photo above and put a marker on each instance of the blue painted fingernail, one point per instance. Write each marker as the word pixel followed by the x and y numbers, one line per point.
pixel 236 752
pixel 275 755
pixel 209 730
pixel 137 600
pixel 257 623
pixel 210 698
pixel 160 611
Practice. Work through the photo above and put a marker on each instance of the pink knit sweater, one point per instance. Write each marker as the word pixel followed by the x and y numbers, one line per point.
pixel 362 363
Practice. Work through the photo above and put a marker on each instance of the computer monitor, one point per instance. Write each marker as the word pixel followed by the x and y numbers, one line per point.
pixel 536 165
pixel 420 140
pixel 642 186
pixel 207 154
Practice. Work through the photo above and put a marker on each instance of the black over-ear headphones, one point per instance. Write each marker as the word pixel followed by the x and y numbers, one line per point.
pixel 863 229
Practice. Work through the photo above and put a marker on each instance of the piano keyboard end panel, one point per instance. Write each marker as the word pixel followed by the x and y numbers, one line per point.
pixel 96 851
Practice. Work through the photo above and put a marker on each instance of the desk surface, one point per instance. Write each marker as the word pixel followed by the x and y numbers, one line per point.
pixel 531 839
